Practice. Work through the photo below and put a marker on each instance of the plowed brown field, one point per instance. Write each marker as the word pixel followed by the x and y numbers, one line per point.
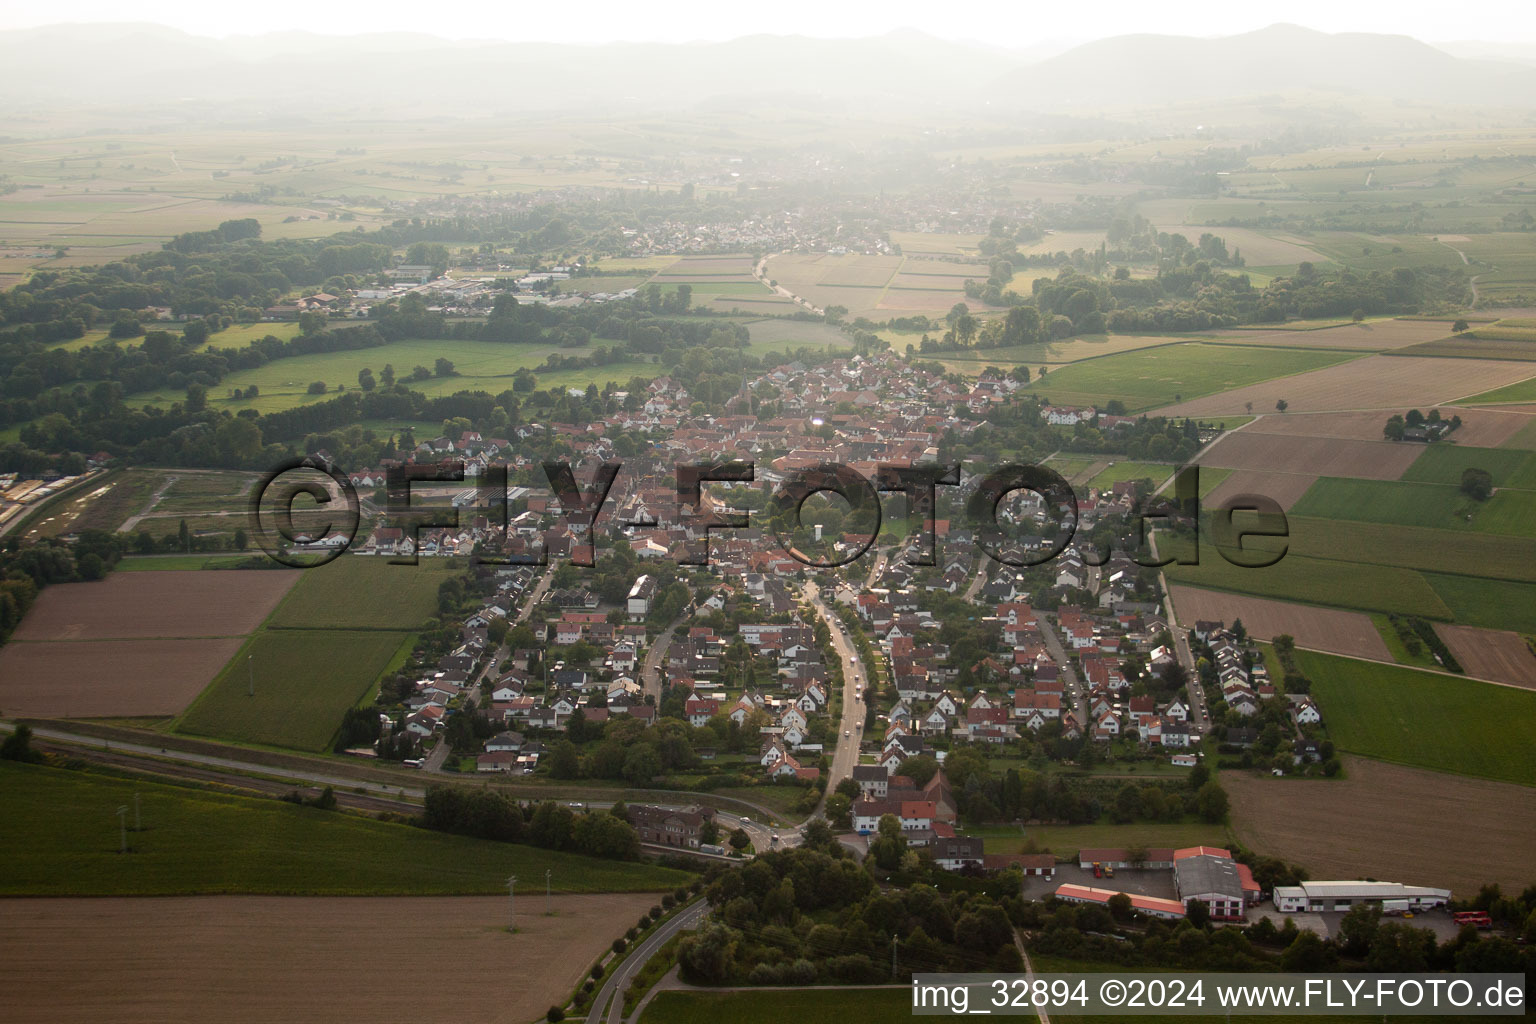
pixel 1323 629
pixel 157 604
pixel 1391 822
pixel 1285 488
pixel 260 958
pixel 1375 382
pixel 1317 456
pixel 110 678
pixel 1480 428
pixel 1491 654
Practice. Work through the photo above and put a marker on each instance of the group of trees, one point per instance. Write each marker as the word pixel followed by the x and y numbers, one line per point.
pixel 491 814
pixel 813 915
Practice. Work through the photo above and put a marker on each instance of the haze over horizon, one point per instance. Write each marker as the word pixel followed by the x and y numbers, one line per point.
pixel 1503 21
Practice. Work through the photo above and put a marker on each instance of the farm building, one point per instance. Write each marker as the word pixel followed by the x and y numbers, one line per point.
pixel 1156 859
pixel 1211 876
pixel 1041 864
pixel 1152 906
pixel 1323 896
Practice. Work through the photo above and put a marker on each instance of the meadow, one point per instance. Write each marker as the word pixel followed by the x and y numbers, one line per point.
pixel 201 841
pixel 478 365
pixel 1444 464
pixel 1315 581
pixel 1152 377
pixel 1066 840
pixel 1442 722
pixel 361 592
pixel 303 681
pixel 1411 503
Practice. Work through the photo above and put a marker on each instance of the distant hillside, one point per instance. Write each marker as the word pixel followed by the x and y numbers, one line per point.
pixel 899 73
pixel 1145 70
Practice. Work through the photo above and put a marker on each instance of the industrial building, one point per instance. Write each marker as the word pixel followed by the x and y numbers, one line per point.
pixel 1325 896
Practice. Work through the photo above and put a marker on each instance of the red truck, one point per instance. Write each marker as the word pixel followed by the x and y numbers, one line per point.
pixel 1476 918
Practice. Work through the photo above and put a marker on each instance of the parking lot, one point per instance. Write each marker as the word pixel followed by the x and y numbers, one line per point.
pixel 1135 881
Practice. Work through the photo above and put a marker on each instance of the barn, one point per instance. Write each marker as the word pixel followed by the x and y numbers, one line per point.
pixel 1152 906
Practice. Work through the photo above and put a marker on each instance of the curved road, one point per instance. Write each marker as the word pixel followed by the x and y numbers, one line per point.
pixel 617 983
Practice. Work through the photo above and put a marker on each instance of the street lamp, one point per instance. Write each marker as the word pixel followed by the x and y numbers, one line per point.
pixel 511 903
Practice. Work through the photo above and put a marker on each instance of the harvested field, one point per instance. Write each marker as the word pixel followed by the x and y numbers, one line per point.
pixel 1483 428
pixel 1390 821
pixel 1285 488
pixel 713 267
pixel 1367 336
pixel 1318 456
pixel 156 604
pixel 1491 654
pixel 1323 629
pixel 108 678
pixel 265 958
pixel 1375 382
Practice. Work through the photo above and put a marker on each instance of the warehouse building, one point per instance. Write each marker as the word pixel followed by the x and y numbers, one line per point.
pixel 1326 896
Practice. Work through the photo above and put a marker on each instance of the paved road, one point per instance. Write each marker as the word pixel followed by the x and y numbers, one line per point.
pixel 979 579
pixel 846 754
pixel 617 983
pixel 656 657
pixel 1077 695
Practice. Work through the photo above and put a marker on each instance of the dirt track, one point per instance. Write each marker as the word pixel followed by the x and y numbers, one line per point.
pixel 1391 822
pixel 267 958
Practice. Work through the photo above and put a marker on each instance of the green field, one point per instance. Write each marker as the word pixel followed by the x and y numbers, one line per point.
pixel 1425 719
pixel 303 679
pixel 1157 472
pixel 1066 840
pixel 1410 503
pixel 1296 577
pixel 775 1006
pixel 197 842
pixel 1412 547
pixel 479 365
pixel 147 563
pixel 1519 392
pixel 1443 464
pixel 1493 604
pixel 359 592
pixel 1152 377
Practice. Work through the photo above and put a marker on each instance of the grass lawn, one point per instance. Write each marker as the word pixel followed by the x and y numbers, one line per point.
pixel 775 1006
pixel 303 679
pixel 1420 718
pixel 781 799
pixel 195 842
pixel 361 592
pixel 1152 377
pixel 1066 840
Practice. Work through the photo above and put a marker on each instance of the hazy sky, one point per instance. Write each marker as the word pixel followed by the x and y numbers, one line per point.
pixel 1011 24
